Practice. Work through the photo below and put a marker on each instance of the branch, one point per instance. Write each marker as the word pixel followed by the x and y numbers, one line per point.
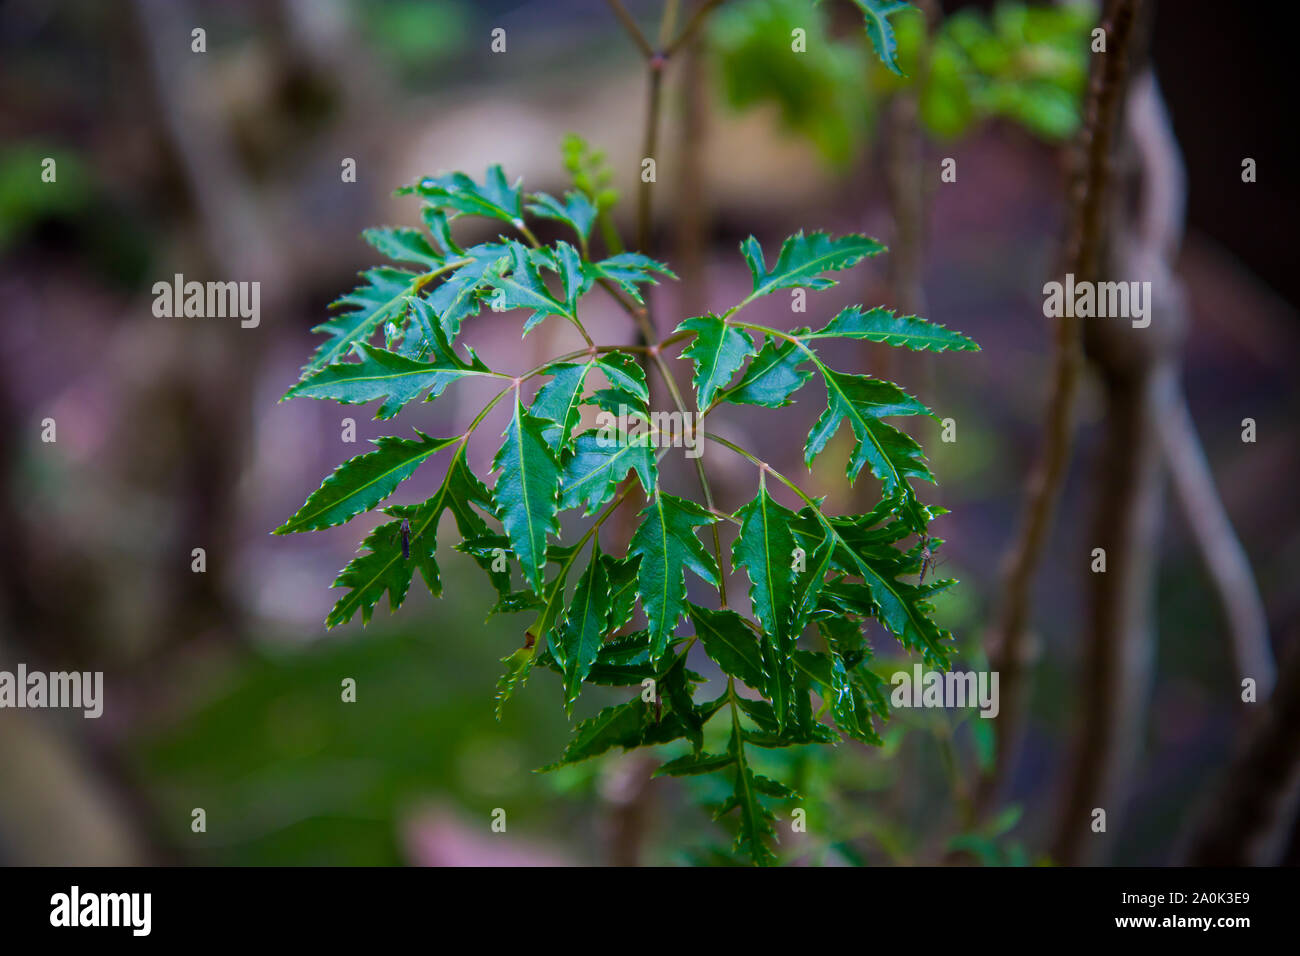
pixel 1161 222
pixel 695 23
pixel 1087 197
pixel 1217 544
pixel 630 25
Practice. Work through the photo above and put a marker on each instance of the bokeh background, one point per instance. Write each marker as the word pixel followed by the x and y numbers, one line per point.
pixel 222 688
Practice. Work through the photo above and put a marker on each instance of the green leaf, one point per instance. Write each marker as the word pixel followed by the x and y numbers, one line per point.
pixel 819 549
pixel 404 244
pixel 362 482
pixel 875 14
pixel 384 374
pixel 518 666
pixel 623 725
pixel 384 294
pixel 727 639
pixel 774 788
pixel 487 550
pixel 551 605
pixel 718 351
pixel 601 459
pixel 765 549
pixel 772 377
pixel 522 286
pixel 667 545
pixel 676 686
pixel 584 627
pixel 850 711
pixel 494 198
pixel 379 570
pixel 695 764
pixel 435 220
pixel 576 211
pixel 626 377
pixel 622 591
pixel 755 819
pixel 899 606
pixel 459 296
pixel 559 401
pixel 567 261
pixel 762 714
pixel 527 491
pixel 881 325
pixel 384 568
pixel 804 259
pixel 622 661
pixel 628 270
pixel 892 455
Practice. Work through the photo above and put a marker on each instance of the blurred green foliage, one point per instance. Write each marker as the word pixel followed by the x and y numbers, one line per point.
pixel 289 774
pixel 592 176
pixel 26 199
pixel 1021 63
pixel 413 35
pixel 1025 64
pixel 819 93
pixel 91 221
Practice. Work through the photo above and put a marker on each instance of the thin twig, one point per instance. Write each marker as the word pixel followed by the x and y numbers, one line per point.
pixel 696 21
pixel 633 30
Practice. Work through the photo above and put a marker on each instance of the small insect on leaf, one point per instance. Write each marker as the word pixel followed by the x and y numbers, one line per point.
pixel 405 532
pixel 930 560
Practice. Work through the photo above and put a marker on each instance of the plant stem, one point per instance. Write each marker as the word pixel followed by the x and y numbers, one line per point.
pixel 655 64
pixel 764 466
